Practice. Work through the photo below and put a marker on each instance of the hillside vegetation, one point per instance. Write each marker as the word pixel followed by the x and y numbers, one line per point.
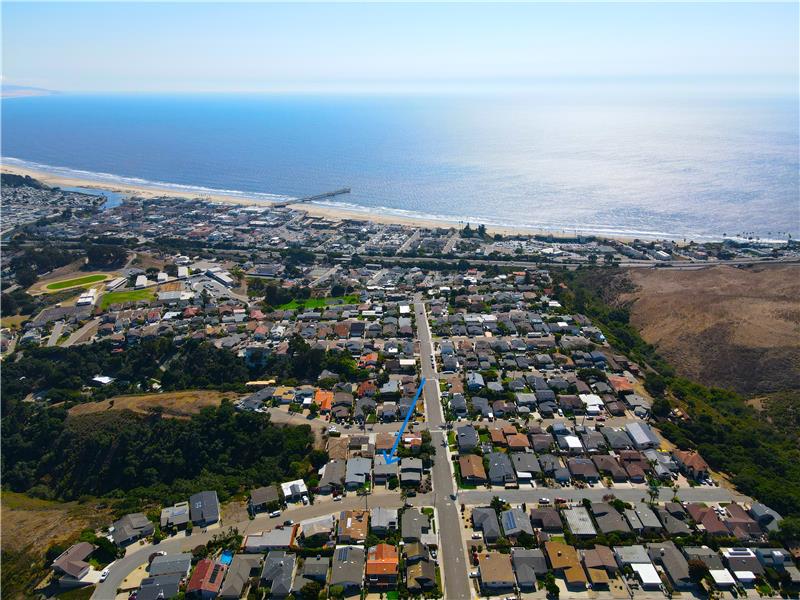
pixel 761 459
pixel 736 328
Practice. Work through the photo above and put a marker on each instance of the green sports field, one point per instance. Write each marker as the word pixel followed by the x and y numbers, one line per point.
pixel 122 297
pixel 75 282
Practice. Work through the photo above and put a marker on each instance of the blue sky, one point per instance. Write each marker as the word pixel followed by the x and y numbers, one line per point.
pixel 267 47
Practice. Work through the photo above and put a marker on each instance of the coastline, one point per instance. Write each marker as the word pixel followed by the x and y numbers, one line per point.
pixel 330 212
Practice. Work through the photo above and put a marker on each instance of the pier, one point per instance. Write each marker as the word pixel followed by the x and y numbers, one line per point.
pixel 312 198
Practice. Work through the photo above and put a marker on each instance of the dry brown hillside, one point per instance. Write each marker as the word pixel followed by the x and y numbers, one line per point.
pixel 736 328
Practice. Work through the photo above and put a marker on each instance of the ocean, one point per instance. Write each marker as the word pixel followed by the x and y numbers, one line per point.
pixel 637 165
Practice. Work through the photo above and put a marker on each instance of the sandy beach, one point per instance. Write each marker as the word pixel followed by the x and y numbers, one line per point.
pixel 327 212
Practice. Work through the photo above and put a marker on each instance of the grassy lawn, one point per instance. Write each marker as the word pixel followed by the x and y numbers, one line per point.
pixel 121 297
pixel 68 283
pixel 319 302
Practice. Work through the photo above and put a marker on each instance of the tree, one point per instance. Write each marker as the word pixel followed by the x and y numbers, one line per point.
pixel 105 255
pixel 551 586
pixel 697 570
pixel 311 590
pixel 26 276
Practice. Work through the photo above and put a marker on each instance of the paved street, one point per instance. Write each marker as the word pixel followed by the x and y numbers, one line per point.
pixel 451 548
pixel 84 333
pixel 138 555
pixel 57 329
pixel 531 495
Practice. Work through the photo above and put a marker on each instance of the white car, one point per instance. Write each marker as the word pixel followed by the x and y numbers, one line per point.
pixel 544 500
pixel 275 513
pixel 104 575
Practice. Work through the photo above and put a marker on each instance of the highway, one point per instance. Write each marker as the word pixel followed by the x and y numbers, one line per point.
pixel 452 563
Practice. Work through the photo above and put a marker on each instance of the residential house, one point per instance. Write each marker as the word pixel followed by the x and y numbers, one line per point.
pixel 414 524
pixel 171 563
pixel 241 569
pixel 547 519
pixel 159 587
pixel 501 471
pixel 278 573
pixel 130 528
pixel 496 572
pixel 471 469
pixel 382 471
pixel 608 519
pixel 353 526
pixel 692 464
pixel 467 438
pixel 410 471
pixel 72 564
pixel 579 522
pixel 206 579
pixel 383 520
pixel 348 568
pixel 333 476
pixel 357 472
pixel 600 565
pixel 529 565
pixel 420 577
pixel 263 498
pixel 382 567
pixel 566 563
pixel 515 522
pixel 484 519
pixel 673 562
pixel 175 516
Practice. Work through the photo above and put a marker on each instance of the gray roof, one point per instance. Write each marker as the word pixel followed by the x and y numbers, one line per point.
pixel 264 495
pixel 609 519
pixel 130 527
pixel 383 518
pixel 710 558
pixel 525 462
pixel 171 563
pixel 467 437
pixel 204 507
pixel 381 469
pixel 528 565
pixel 73 560
pixel 414 524
pixel 579 522
pixel 238 575
pixel 485 520
pixel 631 555
pixel 357 471
pixel 515 521
pixel 159 587
pixel 500 468
pixel 278 571
pixel 668 556
pixel 334 474
pixel 348 565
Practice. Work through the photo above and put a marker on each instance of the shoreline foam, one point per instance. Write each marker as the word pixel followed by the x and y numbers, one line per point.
pixel 65 177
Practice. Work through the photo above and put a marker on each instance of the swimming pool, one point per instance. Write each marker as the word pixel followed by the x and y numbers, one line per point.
pixel 226 557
